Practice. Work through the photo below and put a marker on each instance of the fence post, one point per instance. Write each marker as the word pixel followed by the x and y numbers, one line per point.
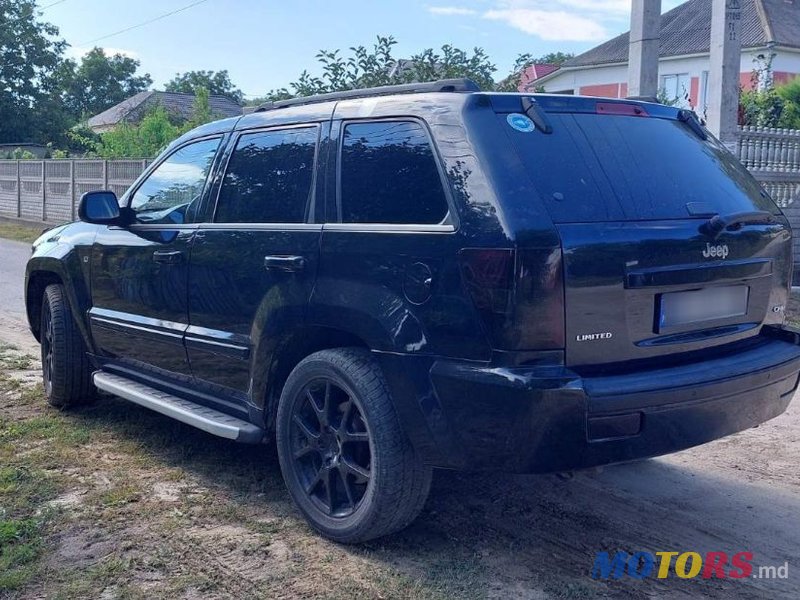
pixel 19 192
pixel 44 190
pixel 72 189
pixel 105 174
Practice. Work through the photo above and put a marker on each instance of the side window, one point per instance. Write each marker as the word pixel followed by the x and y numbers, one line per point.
pixel 389 175
pixel 172 192
pixel 269 177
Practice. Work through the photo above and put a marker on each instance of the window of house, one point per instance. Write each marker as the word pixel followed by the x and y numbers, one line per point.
pixel 172 192
pixel 677 88
pixel 269 177
pixel 389 175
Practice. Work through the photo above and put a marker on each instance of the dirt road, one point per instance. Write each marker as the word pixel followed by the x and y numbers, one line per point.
pixel 13 256
pixel 138 506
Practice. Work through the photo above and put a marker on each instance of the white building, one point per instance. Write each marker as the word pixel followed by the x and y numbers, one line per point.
pixel 769 28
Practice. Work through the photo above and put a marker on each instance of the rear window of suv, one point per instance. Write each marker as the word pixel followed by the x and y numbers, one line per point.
pixel 609 167
pixel 389 175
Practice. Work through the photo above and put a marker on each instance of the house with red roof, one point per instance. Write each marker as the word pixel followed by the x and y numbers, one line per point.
pixel 770 30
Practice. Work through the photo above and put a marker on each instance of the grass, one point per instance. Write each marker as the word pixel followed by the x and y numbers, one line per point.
pixel 83 513
pixel 23 519
pixel 793 310
pixel 20 232
pixel 11 359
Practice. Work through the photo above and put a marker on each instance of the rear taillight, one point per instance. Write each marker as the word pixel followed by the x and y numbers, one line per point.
pixel 489 276
pixel 519 296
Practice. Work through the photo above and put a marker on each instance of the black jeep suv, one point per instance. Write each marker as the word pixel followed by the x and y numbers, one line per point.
pixel 422 276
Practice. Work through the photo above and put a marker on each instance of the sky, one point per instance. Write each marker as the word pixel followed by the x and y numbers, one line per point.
pixel 266 44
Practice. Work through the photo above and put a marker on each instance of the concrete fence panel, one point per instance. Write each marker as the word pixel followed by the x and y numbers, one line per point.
pixel 49 190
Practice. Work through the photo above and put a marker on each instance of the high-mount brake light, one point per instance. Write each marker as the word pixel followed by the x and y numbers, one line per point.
pixel 621 109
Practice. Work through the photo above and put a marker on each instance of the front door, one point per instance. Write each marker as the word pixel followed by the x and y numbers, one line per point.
pixel 139 308
pixel 252 269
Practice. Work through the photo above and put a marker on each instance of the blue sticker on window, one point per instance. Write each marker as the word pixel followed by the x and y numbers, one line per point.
pixel 521 123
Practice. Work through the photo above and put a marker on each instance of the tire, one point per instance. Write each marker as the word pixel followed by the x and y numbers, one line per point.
pixel 347 463
pixel 66 370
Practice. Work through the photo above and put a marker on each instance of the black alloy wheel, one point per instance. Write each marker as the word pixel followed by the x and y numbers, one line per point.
pixel 331 447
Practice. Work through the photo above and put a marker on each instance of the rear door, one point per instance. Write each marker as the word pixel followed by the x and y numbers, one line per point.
pixel 389 267
pixel 632 196
pixel 253 268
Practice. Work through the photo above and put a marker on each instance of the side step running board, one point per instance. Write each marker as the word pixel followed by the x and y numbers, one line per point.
pixel 202 417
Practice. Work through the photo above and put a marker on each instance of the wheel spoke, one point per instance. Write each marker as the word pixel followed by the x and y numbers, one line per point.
pixel 346 485
pixel 360 474
pixel 321 411
pixel 354 436
pixel 348 412
pixel 326 404
pixel 328 488
pixel 304 451
pixel 310 436
pixel 314 482
pixel 345 435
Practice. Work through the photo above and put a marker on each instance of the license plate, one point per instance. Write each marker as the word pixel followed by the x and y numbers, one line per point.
pixel 711 304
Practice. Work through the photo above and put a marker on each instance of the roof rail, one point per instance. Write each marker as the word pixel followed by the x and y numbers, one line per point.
pixel 443 85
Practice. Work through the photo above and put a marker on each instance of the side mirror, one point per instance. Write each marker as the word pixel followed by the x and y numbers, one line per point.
pixel 100 208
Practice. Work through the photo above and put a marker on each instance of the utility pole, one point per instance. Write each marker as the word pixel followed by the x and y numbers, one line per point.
pixel 723 79
pixel 644 48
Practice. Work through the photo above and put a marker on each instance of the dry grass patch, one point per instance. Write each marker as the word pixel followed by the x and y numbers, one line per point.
pixel 114 501
pixel 21 232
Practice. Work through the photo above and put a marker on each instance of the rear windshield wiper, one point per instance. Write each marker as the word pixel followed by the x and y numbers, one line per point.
pixel 536 114
pixel 718 223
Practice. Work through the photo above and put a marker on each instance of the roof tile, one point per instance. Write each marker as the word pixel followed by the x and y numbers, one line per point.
pixel 686 29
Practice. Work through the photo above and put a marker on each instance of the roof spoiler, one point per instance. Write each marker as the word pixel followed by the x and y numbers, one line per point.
pixel 651 99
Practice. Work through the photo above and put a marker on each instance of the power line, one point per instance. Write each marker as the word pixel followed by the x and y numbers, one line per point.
pixel 52 4
pixel 143 23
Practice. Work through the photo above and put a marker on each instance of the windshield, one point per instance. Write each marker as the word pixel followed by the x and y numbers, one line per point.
pixel 623 168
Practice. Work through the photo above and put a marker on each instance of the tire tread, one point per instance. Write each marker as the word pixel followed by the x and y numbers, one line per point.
pixel 71 376
pixel 405 480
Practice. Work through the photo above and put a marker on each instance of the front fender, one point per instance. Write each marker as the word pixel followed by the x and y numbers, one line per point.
pixel 61 256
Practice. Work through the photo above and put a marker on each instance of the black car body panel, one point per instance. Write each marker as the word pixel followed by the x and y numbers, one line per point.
pixel 620 279
pixel 524 330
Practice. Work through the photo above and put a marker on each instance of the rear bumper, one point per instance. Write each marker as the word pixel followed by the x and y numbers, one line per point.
pixel 546 419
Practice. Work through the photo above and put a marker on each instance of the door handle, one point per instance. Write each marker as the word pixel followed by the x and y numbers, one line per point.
pixel 168 257
pixel 284 263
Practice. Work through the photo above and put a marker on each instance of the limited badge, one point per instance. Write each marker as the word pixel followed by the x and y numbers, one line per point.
pixel 521 123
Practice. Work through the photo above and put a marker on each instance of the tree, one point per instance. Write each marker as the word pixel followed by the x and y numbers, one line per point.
pixel 30 57
pixel 377 66
pixel 766 105
pixel 452 63
pixel 100 82
pixel 201 111
pixel 790 94
pixel 217 83
pixel 144 140
pixel 152 134
pixel 763 108
pixel 553 58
